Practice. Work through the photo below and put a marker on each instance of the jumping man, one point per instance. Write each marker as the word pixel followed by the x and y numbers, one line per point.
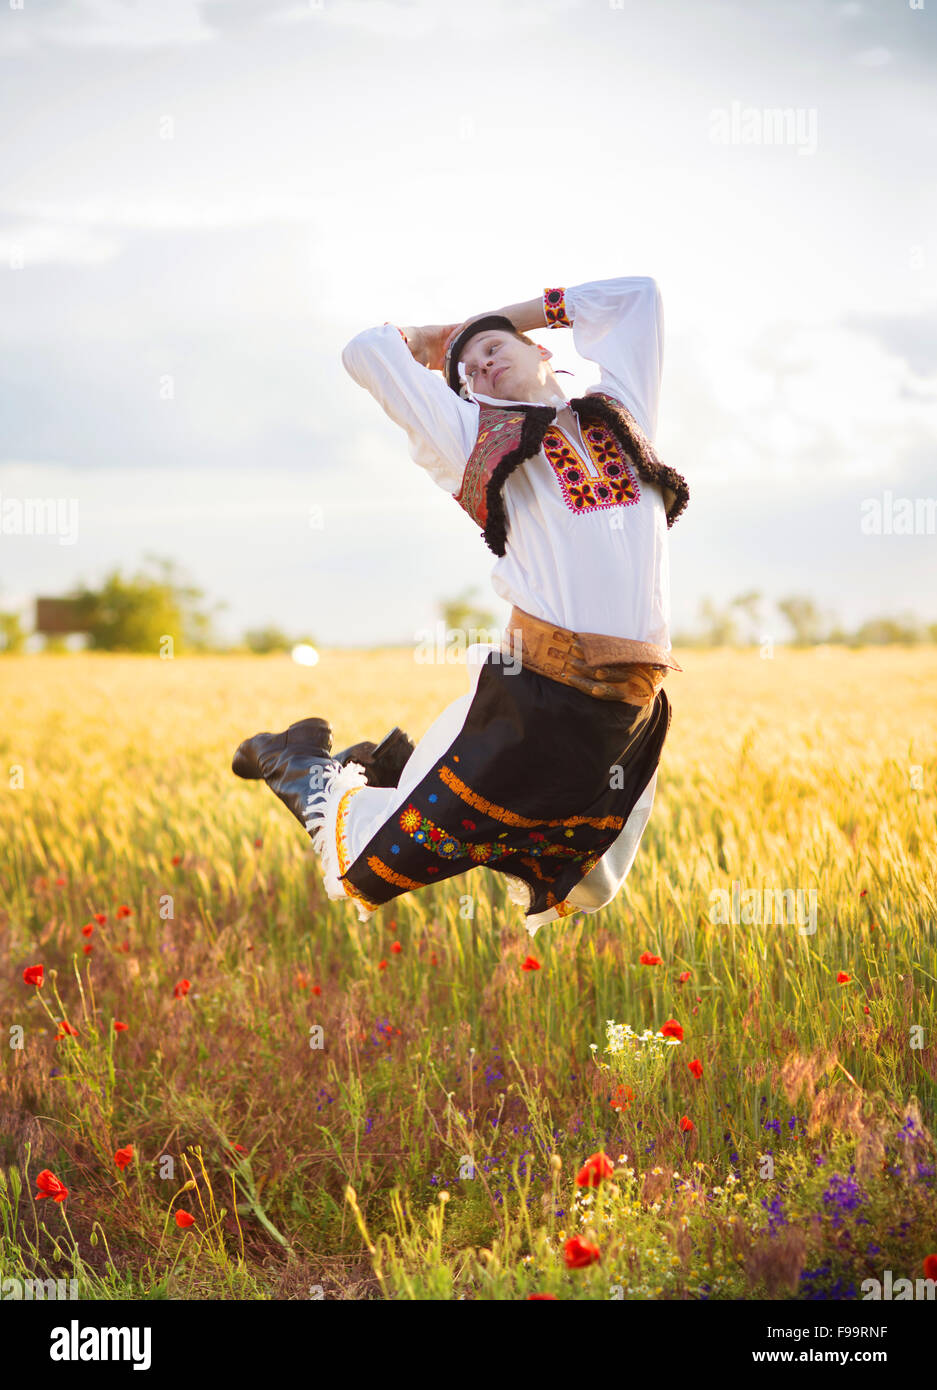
pixel 545 771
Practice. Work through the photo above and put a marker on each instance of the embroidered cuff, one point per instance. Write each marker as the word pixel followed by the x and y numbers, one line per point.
pixel 388 324
pixel 554 309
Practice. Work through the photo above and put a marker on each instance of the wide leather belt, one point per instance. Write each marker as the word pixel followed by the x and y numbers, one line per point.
pixel 608 668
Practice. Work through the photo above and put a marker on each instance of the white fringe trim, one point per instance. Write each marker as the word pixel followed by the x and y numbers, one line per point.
pixel 519 892
pixel 320 821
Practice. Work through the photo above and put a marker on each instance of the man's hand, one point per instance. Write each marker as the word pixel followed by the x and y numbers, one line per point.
pixel 428 343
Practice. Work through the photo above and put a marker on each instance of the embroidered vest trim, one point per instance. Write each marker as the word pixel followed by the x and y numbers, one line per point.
pixel 509 435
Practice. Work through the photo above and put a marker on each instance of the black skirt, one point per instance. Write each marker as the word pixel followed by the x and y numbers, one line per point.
pixel 537 785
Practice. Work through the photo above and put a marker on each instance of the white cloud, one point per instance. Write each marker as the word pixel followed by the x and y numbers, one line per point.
pixel 150 24
pixel 799 400
pixel 199 212
pixel 414 19
pixel 105 23
pixel 46 243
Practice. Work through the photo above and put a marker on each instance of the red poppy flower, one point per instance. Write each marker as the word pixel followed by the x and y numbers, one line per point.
pixel 87 929
pixel 382 965
pixel 863 893
pixel 622 1098
pixel 87 948
pixel 123 911
pixel 50 1186
pixel 930 1266
pixel 125 947
pixel 866 1009
pixel 696 1067
pixel 433 960
pixel 595 1168
pixel 579 1253
pixel 61 882
pixel 686 1124
pixel 177 859
pixel 648 959
pixel 531 963
pixel 541 1297
pixel 842 978
pixel 239 1148
pixel 124 1156
pixel 258 843
pixel 184 1220
pixel 672 1029
pixel 119 1027
pixel 396 947
pixel 317 989
pixel 682 979
pixel 181 989
pixel 67 1028
pixel 32 975
pixel 100 918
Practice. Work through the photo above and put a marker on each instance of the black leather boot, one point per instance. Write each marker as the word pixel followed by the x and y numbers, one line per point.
pixel 293 764
pixel 382 762
pixel 314 731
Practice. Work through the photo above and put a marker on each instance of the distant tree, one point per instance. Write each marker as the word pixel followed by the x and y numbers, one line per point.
pixel 881 632
pixel 749 605
pixel 804 618
pixel 12 636
pixel 136 614
pixel 463 614
pixel 197 632
pixel 267 639
pixel 720 627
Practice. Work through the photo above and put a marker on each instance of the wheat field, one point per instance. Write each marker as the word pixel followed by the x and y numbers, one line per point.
pixel 399 1109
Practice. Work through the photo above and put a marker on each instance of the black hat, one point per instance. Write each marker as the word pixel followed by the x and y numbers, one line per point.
pixel 461 340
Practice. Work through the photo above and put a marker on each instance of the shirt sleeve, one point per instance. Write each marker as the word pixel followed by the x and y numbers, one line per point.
pixel 441 427
pixel 619 324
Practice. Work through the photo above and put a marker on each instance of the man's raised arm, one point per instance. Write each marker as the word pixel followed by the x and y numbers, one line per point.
pixel 441 427
pixel 618 324
pixel 526 316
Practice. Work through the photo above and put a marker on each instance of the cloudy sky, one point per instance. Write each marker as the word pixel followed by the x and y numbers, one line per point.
pixel 202 201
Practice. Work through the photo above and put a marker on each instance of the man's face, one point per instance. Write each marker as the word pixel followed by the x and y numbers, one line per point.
pixel 500 365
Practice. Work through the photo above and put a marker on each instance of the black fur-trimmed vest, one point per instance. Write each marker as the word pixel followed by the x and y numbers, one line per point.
pixel 508 435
